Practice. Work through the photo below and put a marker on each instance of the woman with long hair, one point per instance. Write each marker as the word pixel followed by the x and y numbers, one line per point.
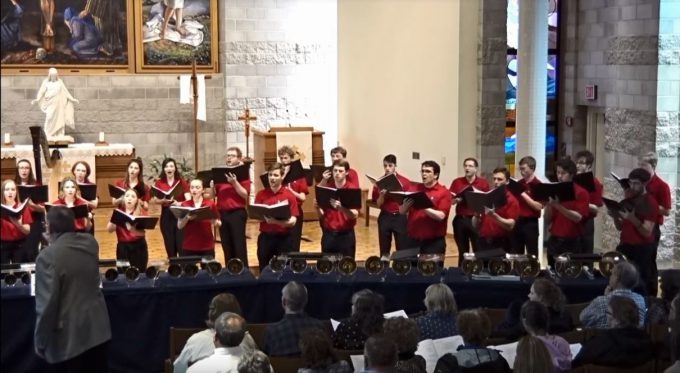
pixel 134 179
pixel 532 356
pixel 132 244
pixel 168 179
pixel 198 234
pixel 14 230
pixel 24 176
pixel 69 196
pixel 81 172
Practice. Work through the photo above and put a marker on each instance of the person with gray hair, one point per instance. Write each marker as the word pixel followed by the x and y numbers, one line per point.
pixel 380 355
pixel 255 362
pixel 230 329
pixel 623 279
pixel 440 319
pixel 282 338
pixel 201 345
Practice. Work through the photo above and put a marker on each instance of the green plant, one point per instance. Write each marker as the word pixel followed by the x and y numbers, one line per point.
pixel 154 166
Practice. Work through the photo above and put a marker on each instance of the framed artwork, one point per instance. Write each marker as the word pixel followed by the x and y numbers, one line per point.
pixel 171 34
pixel 71 35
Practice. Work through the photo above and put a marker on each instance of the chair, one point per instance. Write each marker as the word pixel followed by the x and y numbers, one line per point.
pixel 257 332
pixel 286 364
pixel 496 316
pixel 574 336
pixel 178 338
pixel 345 355
pixel 367 213
pixel 648 367
pixel 575 311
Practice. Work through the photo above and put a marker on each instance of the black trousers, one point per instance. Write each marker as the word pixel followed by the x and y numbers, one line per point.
pixel 339 242
pixel 201 253
pixel 644 258
pixel 233 235
pixel 488 244
pixel 465 236
pixel 270 245
pixel 93 360
pixel 430 246
pixel 390 225
pixel 560 245
pixel 296 233
pixel 588 239
pixel 32 244
pixel 12 251
pixel 525 235
pixel 172 237
pixel 136 252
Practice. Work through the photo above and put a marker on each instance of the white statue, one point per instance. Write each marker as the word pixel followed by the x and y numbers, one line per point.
pixel 57 104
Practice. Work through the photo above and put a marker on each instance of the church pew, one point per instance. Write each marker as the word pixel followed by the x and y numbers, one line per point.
pixel 178 338
pixel 286 364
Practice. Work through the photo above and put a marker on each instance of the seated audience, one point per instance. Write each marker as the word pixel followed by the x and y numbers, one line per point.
pixel 474 326
pixel 380 355
pixel 318 354
pixel 532 356
pixel 404 332
pixel 675 336
pixel 623 278
pixel 282 338
pixel 659 308
pixel 535 320
pixel 255 362
pixel 624 344
pixel 366 320
pixel 546 292
pixel 201 344
pixel 440 319
pixel 230 329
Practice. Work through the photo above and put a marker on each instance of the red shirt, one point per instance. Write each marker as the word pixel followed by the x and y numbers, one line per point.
pixel 525 211
pixel 461 183
pixel 81 223
pixel 299 186
pixel 490 228
pixel 352 178
pixel 564 228
pixel 595 197
pixel 422 227
pixel 9 231
pixel 144 196
pixel 268 197
pixel 123 234
pixel 390 205
pixel 334 219
pixel 661 192
pixel 227 197
pixel 164 186
pixel 630 235
pixel 198 234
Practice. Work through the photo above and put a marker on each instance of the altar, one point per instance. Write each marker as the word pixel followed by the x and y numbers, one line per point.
pixel 108 163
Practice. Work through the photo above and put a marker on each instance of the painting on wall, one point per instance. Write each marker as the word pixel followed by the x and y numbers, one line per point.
pixel 171 34
pixel 71 34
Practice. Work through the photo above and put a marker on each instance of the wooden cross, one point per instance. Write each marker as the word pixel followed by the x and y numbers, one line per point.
pixel 247 118
pixel 194 89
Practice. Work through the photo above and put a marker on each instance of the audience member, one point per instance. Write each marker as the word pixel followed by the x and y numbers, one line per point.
pixel 404 332
pixel 623 278
pixel 532 356
pixel 474 327
pixel 659 309
pixel 366 320
pixel 380 355
pixel 624 344
pixel 282 338
pixel 440 319
pixel 674 336
pixel 255 362
pixel 546 292
pixel 201 344
pixel 318 354
pixel 535 320
pixel 230 329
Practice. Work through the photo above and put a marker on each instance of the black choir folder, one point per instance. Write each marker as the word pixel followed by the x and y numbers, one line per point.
pixel 37 193
pixel 637 204
pixel 295 172
pixel 139 222
pixel 80 211
pixel 201 213
pixel 562 191
pixel 420 199
pixel 462 192
pixel 515 187
pixel 318 170
pixel 278 211
pixel 585 180
pixel 14 212
pixel 173 193
pixel 349 197
pixel 242 173
pixel 116 191
pixel 478 201
pixel 622 181
pixel 388 182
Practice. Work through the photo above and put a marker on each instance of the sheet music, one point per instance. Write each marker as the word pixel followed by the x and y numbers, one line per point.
pixel 334 324
pixel 400 313
pixel 357 362
pixel 508 351
pixel 431 350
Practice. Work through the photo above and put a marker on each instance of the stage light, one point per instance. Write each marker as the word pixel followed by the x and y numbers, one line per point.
pixel 325 265
pixel 499 266
pixel 190 270
pixel 525 266
pixel 174 270
pixel 151 272
pixel 212 266
pixel 15 272
pixel 111 272
pixel 428 264
pixel 347 265
pixel 132 274
pixel 566 267
pixel 298 265
pixel 401 267
pixel 186 265
pixel 277 264
pixel 235 266
pixel 471 265
pixel 609 260
pixel 374 265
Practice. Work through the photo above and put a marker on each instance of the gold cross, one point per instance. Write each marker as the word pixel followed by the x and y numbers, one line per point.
pixel 247 118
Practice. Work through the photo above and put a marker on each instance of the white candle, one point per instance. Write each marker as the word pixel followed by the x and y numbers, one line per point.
pixel 101 136
pixel 7 140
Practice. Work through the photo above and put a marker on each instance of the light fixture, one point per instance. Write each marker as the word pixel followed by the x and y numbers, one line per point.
pixel 347 265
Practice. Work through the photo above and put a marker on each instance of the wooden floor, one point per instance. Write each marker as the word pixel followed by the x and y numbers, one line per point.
pixel 367 240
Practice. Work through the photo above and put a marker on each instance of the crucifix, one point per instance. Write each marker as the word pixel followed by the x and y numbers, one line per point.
pixel 194 104
pixel 247 118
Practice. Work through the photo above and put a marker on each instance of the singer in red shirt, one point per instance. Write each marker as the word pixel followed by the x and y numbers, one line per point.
pixel 495 226
pixel 299 189
pixel 390 221
pixel 338 222
pixel 525 233
pixel 463 231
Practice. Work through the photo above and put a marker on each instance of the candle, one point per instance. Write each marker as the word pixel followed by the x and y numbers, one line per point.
pixel 101 136
pixel 7 139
